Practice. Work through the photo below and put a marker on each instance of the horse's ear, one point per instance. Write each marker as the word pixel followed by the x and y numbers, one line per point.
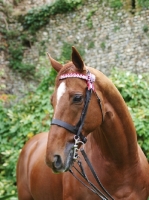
pixel 56 65
pixel 77 60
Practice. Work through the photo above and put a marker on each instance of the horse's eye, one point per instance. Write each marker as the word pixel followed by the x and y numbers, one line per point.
pixel 77 98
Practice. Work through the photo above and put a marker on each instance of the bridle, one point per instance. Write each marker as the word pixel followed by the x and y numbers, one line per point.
pixel 79 138
pixel 90 78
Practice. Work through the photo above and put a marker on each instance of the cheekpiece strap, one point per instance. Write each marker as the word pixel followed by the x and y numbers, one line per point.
pixel 90 78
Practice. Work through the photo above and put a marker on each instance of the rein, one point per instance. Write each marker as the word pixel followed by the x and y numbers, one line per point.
pixel 92 187
pixel 79 138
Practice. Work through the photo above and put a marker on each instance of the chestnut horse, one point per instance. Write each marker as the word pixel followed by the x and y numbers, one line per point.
pixel 45 163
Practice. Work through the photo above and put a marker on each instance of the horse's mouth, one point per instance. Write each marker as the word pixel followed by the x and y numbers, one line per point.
pixel 58 166
pixel 69 160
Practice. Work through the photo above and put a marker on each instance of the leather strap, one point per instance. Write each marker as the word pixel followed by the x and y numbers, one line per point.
pixel 84 111
pixel 94 173
pixel 92 187
pixel 65 125
pixel 69 127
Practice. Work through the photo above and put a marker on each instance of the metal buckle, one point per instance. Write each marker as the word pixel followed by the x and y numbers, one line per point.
pixel 77 141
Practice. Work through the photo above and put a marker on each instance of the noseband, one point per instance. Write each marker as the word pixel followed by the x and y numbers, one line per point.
pixel 76 130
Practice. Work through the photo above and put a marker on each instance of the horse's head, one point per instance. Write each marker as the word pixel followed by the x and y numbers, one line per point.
pixel 69 100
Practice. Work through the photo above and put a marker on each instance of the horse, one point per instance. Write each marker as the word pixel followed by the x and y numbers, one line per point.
pixel 89 116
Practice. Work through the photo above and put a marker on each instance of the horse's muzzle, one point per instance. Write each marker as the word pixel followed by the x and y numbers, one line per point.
pixel 61 164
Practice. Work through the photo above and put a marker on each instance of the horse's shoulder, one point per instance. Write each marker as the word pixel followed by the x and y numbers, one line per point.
pixel 38 138
pixel 35 144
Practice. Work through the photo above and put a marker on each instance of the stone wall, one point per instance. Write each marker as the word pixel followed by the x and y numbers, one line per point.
pixel 110 38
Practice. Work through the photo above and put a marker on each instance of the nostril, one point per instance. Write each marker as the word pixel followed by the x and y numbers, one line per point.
pixel 57 162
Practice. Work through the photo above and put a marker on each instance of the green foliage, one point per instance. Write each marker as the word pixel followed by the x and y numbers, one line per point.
pixel 115 3
pixel 116 28
pixel 90 23
pixel 89 19
pixel 6 7
pixel 66 53
pixel 18 41
pixel 145 28
pixel 37 18
pixel 143 3
pixel 103 45
pixel 135 91
pixel 2 86
pixel 16 57
pixel 18 124
pixel 91 45
pixel 17 44
pixel 16 2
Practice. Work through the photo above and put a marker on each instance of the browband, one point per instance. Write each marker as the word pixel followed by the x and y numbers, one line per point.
pixel 90 78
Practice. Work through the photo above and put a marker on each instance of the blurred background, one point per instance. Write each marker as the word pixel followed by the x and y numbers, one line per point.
pixel 111 36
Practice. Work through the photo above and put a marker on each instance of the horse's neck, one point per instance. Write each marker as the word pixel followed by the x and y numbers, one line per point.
pixel 116 137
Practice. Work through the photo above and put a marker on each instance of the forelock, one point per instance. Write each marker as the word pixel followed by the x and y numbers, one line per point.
pixel 67 68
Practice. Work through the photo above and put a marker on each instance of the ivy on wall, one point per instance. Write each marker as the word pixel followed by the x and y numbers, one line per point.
pixel 136 4
pixel 17 43
pixel 38 17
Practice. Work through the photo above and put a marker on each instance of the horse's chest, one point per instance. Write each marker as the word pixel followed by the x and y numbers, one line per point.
pixel 116 182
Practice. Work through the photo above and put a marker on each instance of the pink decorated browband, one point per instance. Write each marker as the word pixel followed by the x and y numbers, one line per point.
pixel 90 78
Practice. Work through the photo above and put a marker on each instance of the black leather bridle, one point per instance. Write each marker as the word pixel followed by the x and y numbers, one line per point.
pixel 79 138
pixel 90 78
